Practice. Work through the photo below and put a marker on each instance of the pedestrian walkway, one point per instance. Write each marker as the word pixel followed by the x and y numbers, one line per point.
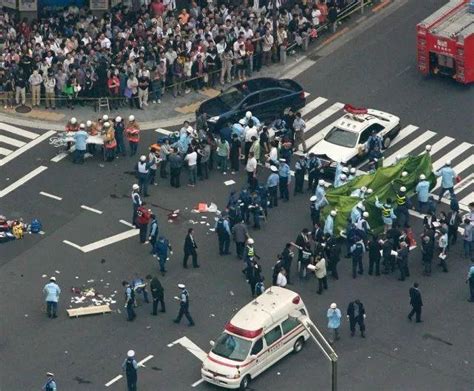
pixel 15 141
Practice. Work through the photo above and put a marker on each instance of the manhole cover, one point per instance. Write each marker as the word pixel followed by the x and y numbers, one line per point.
pixel 23 109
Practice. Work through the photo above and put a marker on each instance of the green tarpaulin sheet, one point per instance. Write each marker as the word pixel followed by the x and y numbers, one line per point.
pixel 384 182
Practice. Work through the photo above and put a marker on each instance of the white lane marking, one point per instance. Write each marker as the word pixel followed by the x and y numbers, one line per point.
pixel 457 169
pixel 127 223
pixel 72 244
pixel 407 148
pixel 11 141
pixel 147 358
pixel 164 131
pixel 191 347
pixel 22 180
pixel 5 151
pixel 26 147
pixel 405 132
pixel 306 94
pixel 85 207
pixel 195 384
pixel 54 197
pixel 18 131
pixel 59 157
pixel 440 144
pixel 300 68
pixel 313 105
pixel 464 183
pixel 110 240
pixel 116 378
pixel 454 153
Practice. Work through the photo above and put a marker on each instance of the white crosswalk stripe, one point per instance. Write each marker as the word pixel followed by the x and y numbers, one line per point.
pixel 5 151
pixel 468 199
pixel 404 132
pixel 15 141
pixel 11 141
pixel 323 115
pixel 411 146
pixel 313 105
pixel 457 151
pixel 18 131
pixel 439 145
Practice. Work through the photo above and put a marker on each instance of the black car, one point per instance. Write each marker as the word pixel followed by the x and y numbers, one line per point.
pixel 265 97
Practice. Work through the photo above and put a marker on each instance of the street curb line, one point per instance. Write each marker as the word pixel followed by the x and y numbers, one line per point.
pixel 334 36
pixel 380 6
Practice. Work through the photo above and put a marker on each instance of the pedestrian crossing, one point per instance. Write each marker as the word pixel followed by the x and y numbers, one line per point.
pixel 320 112
pixel 15 141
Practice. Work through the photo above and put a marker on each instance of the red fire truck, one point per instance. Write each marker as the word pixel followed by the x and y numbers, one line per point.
pixel 445 42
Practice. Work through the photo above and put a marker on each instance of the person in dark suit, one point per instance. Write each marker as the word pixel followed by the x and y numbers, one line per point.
pixel 190 247
pixel 416 302
pixel 157 293
pixel 356 315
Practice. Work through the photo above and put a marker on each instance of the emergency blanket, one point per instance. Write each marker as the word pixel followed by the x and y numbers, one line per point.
pixel 384 182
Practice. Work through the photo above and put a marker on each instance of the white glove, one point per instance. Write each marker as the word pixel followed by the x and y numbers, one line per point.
pixel 365 316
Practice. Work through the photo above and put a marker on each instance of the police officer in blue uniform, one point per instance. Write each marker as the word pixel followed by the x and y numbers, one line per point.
pixel 50 383
pixel 301 166
pixel 137 202
pixel 130 367
pixel 314 165
pixel 162 246
pixel 272 186
pixel 285 178
pixel 153 232
pixel 184 306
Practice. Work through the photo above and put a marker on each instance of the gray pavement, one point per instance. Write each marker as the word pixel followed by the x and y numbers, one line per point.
pixel 86 353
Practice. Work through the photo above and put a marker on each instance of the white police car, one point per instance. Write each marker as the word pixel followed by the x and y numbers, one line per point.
pixel 345 141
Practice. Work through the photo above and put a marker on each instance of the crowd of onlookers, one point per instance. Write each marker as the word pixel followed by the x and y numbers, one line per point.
pixel 133 54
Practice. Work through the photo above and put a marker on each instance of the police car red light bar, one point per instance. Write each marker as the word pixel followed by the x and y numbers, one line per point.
pixel 354 110
pixel 242 332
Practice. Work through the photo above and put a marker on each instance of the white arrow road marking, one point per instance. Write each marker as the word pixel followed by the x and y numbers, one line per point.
pixel 104 242
pixel 192 348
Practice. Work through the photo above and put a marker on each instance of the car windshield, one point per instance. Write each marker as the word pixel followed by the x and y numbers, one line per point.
pixel 341 137
pixel 232 347
pixel 231 97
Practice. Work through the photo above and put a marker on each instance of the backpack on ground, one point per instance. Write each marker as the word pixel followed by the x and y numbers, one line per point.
pixel 35 226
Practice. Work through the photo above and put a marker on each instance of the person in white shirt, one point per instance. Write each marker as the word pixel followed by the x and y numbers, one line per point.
pixel 191 160
pixel 281 278
pixel 249 132
pixel 251 168
pixel 267 47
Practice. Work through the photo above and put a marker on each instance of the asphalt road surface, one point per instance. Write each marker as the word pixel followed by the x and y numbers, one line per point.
pixel 86 353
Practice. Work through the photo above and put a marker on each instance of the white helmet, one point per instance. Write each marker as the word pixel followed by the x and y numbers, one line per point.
pixel 250 241
pixel 403 189
pixel 345 170
pixel 118 119
pixel 142 158
pixel 333 306
pixel 321 182
pixel 428 148
pixel 105 117
pixel 73 120
pixel 313 198
pixel 369 191
pixel 422 177
pixel 248 114
pixel 242 122
pixel 343 177
pixel 131 118
pixel 89 123
pixel 365 214
pixel 363 189
pixel 404 174
pixel 333 213
pixel 131 353
pixel 360 205
pixel 352 170
pixel 107 124
pixel 448 162
pixel 135 187
pixel 82 126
